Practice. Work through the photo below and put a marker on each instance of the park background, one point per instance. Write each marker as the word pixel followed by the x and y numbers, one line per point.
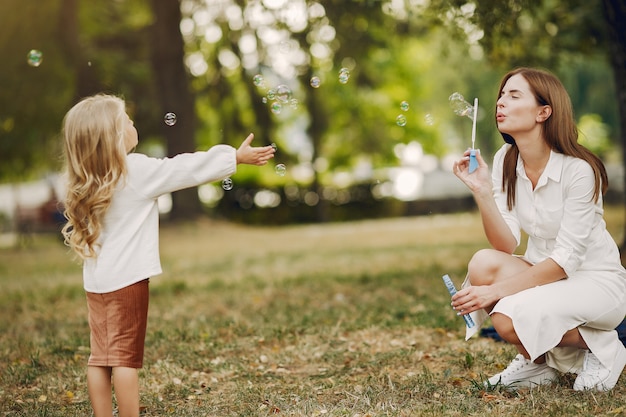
pixel 353 153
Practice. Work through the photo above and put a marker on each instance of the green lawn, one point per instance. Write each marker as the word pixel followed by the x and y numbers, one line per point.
pixel 347 319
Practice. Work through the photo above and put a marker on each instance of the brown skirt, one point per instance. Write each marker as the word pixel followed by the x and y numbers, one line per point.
pixel 117 321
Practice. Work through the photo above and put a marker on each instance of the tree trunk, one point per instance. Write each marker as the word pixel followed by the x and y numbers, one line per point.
pixel 69 29
pixel 175 95
pixel 316 129
pixel 615 14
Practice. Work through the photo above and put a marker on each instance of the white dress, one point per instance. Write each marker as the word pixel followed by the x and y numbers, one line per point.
pixel 564 223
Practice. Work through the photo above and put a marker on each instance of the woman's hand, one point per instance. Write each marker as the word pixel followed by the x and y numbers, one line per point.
pixel 475 298
pixel 246 154
pixel 477 181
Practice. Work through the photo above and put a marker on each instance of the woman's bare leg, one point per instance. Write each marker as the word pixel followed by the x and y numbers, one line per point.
pixel 504 326
pixel 572 338
pixel 489 265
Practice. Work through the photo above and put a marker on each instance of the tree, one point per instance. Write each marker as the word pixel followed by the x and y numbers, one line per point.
pixel 33 96
pixel 198 58
pixel 615 15
pixel 292 42
pixel 175 95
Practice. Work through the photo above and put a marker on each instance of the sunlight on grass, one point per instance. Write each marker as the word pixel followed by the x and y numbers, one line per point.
pixel 346 319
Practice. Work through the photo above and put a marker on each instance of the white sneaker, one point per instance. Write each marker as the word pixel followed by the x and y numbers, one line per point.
pixel 596 376
pixel 523 373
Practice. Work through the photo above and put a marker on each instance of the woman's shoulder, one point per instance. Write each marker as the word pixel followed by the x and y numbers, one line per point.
pixel 567 168
pixel 505 147
pixel 499 155
pixel 575 164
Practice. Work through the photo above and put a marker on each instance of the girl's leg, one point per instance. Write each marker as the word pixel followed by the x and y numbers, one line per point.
pixel 99 387
pixel 126 383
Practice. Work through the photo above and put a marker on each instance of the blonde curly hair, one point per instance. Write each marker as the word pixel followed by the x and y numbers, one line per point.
pixel 95 155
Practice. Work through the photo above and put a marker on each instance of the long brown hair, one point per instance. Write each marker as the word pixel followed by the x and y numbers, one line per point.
pixel 559 130
pixel 93 133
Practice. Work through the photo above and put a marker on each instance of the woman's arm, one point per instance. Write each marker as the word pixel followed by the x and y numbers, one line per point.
pixel 477 297
pixel 480 184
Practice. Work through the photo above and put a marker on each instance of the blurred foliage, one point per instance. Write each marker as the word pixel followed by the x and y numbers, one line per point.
pixel 31 98
pixel 594 134
pixel 415 51
pixel 530 32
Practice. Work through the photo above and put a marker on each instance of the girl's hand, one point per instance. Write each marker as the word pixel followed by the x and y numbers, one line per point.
pixel 479 180
pixel 247 154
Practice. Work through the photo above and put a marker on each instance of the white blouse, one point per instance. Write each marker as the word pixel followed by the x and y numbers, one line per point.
pixel 129 243
pixel 560 216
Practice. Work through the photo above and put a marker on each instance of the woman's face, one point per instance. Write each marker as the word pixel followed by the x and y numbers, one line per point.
pixel 130 135
pixel 517 110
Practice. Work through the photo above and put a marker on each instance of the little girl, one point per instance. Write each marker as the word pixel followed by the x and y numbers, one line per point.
pixel 113 221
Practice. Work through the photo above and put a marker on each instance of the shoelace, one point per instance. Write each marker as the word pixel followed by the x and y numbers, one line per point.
pixel 515 366
pixel 592 365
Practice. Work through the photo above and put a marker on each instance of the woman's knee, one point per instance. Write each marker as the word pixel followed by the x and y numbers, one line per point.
pixel 483 267
pixel 504 326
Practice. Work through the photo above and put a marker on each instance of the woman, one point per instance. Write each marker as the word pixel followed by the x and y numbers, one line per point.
pixel 560 303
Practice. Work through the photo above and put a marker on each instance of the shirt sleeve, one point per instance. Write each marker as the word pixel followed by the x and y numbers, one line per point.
pixel 579 214
pixel 153 177
pixel 500 197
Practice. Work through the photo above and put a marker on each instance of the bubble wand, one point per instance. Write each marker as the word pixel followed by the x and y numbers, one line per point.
pixel 463 108
pixel 473 163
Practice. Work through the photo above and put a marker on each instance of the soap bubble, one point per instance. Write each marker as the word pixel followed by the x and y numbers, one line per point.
pixel 34 57
pixel 429 119
pixel 273 145
pixel 271 94
pixel 169 119
pixel 227 184
pixel 401 120
pixel 460 106
pixel 283 93
pixel 404 106
pixel 280 169
pixel 258 80
pixel 294 103
pixel 315 82
pixel 344 75
pixel 276 107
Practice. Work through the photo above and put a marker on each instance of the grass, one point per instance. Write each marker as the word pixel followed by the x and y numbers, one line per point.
pixel 347 319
